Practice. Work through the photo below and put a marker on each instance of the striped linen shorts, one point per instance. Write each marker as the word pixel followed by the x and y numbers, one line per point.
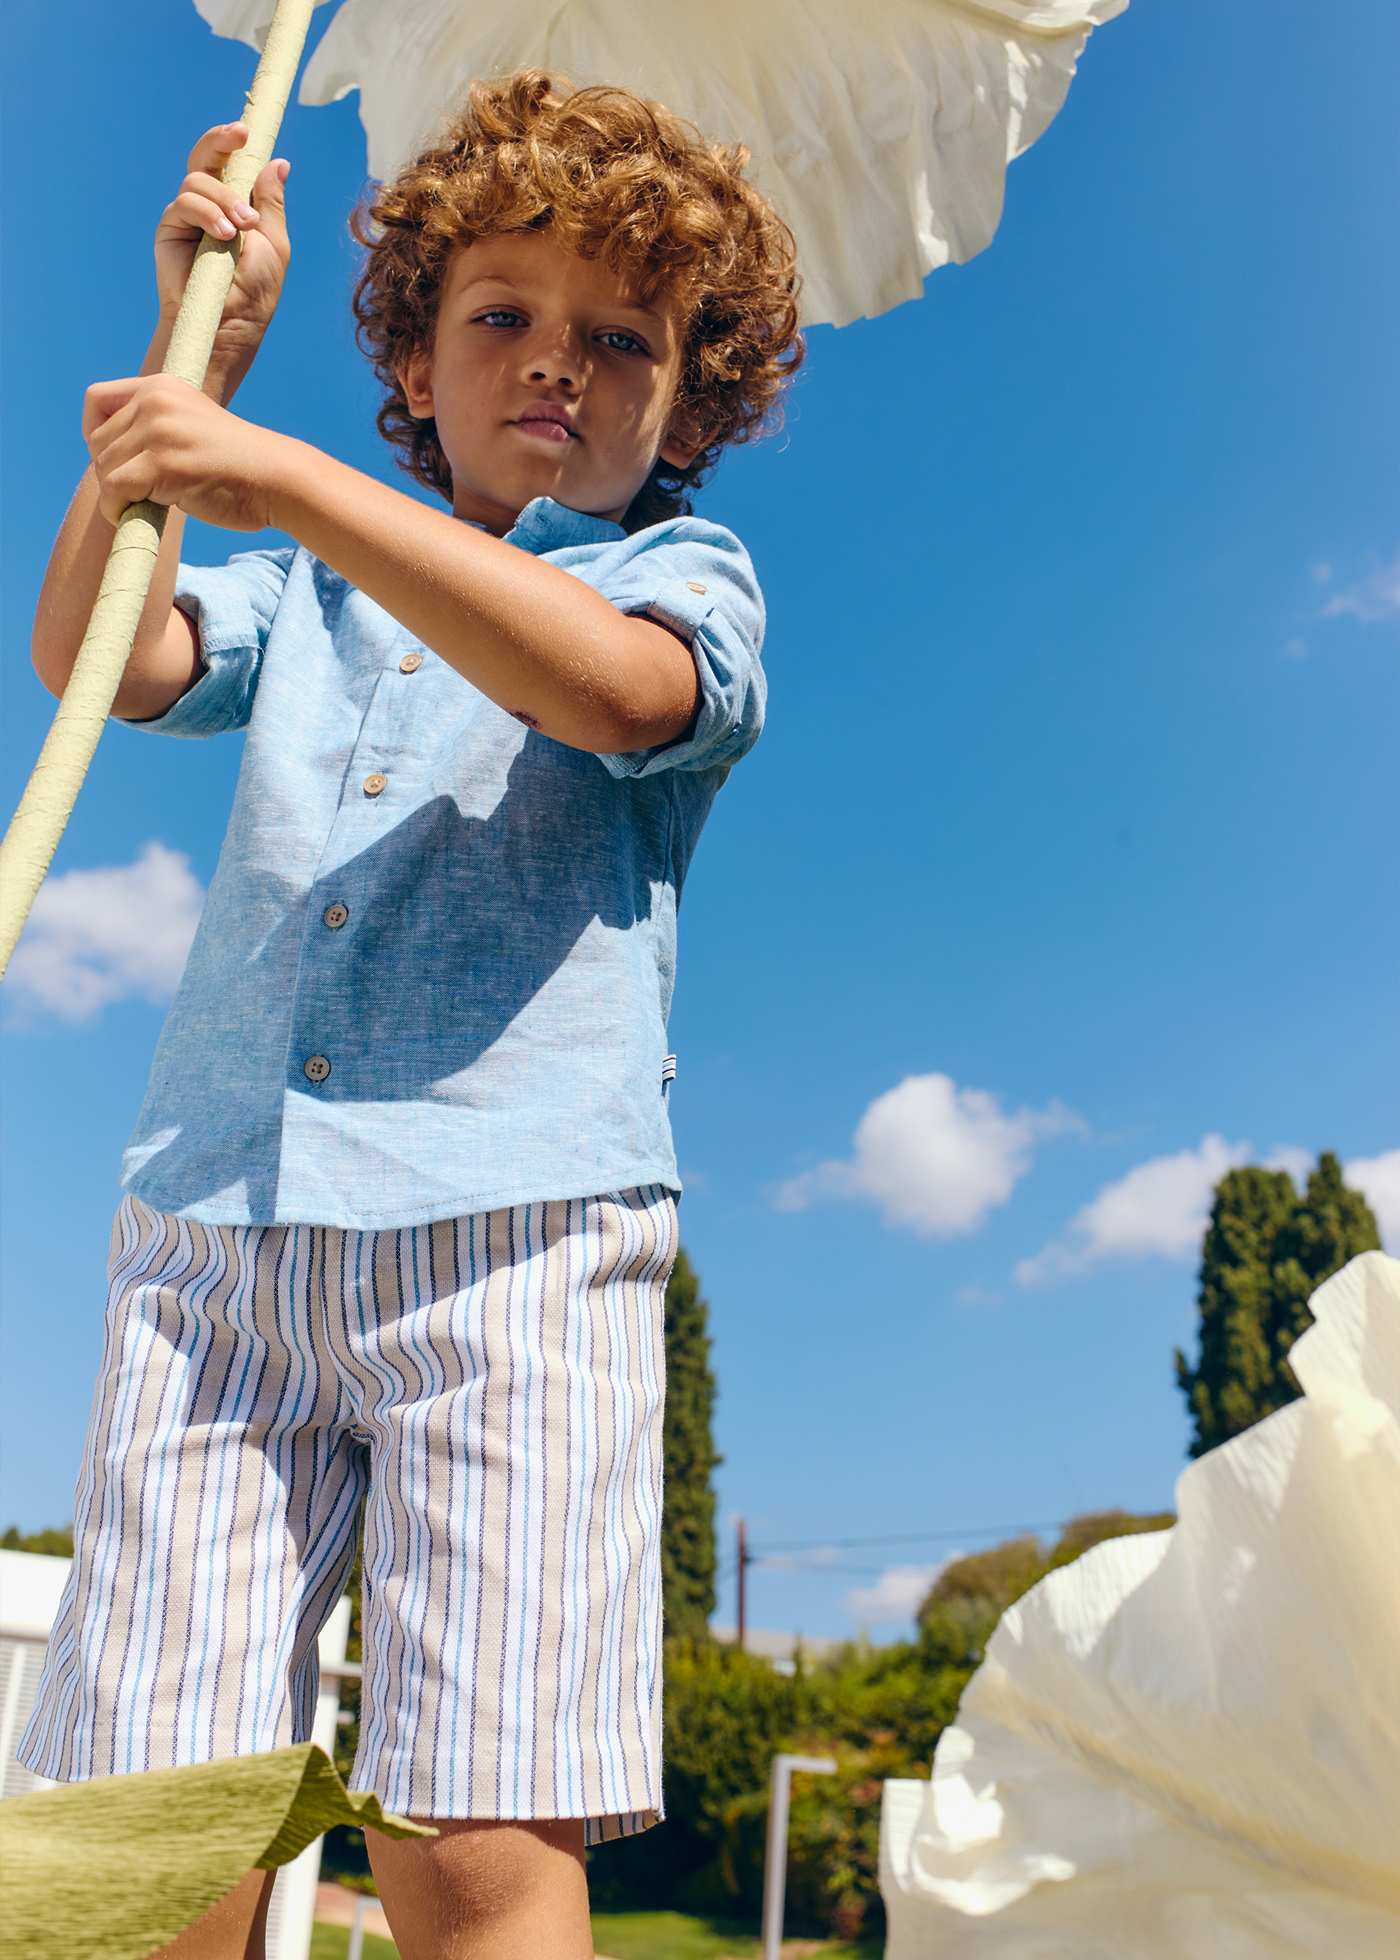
pixel 488 1390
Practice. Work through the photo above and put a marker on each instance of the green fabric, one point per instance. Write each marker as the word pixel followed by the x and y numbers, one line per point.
pixel 114 1867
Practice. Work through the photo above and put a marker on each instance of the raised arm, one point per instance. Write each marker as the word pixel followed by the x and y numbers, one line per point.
pixel 165 661
pixel 165 655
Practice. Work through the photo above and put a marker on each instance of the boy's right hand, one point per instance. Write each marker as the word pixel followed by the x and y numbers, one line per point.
pixel 204 204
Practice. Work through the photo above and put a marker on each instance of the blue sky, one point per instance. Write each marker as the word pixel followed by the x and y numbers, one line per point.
pixel 1062 875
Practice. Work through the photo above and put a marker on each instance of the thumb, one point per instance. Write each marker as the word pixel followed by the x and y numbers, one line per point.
pixel 269 197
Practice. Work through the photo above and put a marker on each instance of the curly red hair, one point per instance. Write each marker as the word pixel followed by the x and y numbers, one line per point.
pixel 614 177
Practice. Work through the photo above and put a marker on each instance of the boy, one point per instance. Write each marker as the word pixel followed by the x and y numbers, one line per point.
pixel 400 1205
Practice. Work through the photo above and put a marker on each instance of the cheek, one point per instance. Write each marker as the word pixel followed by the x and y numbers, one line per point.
pixel 643 409
pixel 474 386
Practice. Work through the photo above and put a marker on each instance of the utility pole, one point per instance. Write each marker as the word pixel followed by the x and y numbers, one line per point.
pixel 742 1562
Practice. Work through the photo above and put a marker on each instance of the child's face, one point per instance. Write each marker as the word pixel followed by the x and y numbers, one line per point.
pixel 524 321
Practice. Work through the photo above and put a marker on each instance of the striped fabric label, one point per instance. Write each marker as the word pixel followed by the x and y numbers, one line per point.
pixel 489 1391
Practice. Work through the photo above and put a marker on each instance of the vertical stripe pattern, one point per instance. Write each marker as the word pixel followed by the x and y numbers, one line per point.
pixel 488 1392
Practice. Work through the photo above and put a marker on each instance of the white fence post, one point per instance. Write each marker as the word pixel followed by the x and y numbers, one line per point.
pixel 775 1863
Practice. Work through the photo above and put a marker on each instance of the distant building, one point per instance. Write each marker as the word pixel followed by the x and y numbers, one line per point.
pixel 779 1648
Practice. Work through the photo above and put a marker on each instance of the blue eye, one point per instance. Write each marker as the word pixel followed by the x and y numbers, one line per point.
pixel 609 334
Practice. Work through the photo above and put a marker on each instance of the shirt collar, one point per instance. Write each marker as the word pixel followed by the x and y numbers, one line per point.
pixel 545 525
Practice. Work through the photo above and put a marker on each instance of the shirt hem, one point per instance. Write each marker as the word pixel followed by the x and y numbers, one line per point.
pixel 468 1203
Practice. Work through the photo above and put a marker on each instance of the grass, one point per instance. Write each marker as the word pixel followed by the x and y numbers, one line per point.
pixel 333 1942
pixel 679 1936
pixel 624 1936
pixel 668 1936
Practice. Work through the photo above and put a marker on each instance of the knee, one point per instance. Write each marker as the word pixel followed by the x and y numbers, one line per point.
pixel 490 1866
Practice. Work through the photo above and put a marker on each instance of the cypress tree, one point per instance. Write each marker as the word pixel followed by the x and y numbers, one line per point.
pixel 688 1511
pixel 1226 1389
pixel 1266 1250
pixel 1329 1226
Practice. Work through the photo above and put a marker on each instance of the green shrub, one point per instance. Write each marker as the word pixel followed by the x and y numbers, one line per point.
pixel 726 1715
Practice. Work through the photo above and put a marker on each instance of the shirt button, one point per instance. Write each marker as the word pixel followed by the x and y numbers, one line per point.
pixel 335 915
pixel 375 784
pixel 315 1068
pixel 694 585
pixel 410 663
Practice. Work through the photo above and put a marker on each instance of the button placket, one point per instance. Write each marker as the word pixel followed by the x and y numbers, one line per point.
pixel 380 731
pixel 376 728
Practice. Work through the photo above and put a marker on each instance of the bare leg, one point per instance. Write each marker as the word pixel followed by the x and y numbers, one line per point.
pixel 232 1929
pixel 486 1890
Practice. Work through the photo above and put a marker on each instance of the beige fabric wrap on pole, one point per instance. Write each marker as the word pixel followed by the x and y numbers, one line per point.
pixel 37 825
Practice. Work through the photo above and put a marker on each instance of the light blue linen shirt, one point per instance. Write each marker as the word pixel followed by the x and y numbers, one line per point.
pixel 435 965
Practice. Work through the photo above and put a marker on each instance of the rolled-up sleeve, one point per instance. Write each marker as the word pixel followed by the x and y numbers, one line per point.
pixel 698 580
pixel 233 606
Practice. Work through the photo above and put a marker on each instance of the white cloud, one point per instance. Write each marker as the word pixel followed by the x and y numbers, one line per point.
pixel 1374 597
pixel 1161 1208
pixel 933 1157
pixel 116 933
pixel 1158 1210
pixel 1378 1180
pixel 1291 1157
pixel 897 1594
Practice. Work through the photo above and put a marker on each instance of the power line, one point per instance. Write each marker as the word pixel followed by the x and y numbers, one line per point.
pixel 908 1537
pixel 860 1571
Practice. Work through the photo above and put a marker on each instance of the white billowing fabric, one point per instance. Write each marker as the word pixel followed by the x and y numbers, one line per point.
pixel 1188 1742
pixel 881 133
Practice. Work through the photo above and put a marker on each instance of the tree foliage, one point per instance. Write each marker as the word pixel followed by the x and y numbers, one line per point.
pixel 56 1540
pixel 969 1596
pixel 688 1507
pixel 1266 1251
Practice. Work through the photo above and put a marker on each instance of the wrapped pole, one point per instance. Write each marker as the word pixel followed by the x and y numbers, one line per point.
pixel 49 796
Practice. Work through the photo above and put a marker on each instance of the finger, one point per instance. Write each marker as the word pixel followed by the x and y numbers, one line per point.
pixel 229 202
pixel 124 467
pixel 217 145
pixel 120 442
pixel 190 213
pixel 129 484
pixel 104 399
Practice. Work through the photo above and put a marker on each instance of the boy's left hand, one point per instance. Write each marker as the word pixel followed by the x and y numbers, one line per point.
pixel 157 437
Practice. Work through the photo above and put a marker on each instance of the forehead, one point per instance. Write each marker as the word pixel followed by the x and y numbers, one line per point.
pixel 538 259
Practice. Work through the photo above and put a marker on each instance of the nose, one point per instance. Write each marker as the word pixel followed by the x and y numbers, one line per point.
pixel 556 359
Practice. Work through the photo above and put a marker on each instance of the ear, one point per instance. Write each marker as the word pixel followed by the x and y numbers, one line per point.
pixel 416 379
pixel 684 440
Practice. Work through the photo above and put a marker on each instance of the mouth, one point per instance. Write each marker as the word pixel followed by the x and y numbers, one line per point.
pixel 544 429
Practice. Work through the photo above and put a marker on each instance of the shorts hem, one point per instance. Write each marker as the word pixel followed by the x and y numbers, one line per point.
pixel 600 1826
